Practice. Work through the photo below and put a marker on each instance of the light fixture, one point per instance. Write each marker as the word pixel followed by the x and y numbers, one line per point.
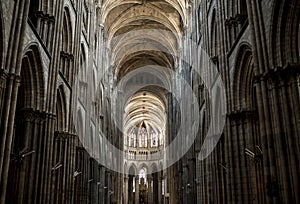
pixel 76 173
pixel 57 166
pixel 257 157
pixel 24 154
pixel 249 153
pixel 221 165
pixel 28 153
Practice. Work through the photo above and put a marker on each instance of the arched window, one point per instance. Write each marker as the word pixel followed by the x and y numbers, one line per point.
pixel 154 139
pixel 132 138
pixel 61 109
pixel 161 140
pixel 66 38
pixel 66 49
pixel 143 137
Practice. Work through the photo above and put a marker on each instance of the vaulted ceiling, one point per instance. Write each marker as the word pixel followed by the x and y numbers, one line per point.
pixel 143 33
pixel 145 106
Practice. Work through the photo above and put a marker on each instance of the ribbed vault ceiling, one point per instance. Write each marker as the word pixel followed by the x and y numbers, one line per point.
pixel 145 106
pixel 143 33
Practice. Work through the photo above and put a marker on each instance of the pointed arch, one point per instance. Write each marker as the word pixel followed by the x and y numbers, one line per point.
pixel 32 82
pixel 27 132
pixel 83 61
pixel 132 170
pixel 154 168
pixel 67 37
pixel 80 121
pixel 285 33
pixel 30 97
pixel 145 166
pixel 61 110
pixel 243 78
pixel 82 75
pixel 245 120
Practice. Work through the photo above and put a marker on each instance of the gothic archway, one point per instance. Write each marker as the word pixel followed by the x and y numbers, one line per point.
pixel 284 43
pixel 27 130
pixel 66 56
pixel 61 142
pixel 245 127
pixel 131 185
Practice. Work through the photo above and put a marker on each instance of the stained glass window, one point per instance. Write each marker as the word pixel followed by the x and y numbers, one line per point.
pixel 132 139
pixel 143 137
pixel 154 139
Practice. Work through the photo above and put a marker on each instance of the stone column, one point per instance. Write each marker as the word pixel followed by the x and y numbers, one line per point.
pixel 125 189
pixel 137 192
pixel 150 189
pixel 102 184
pixel 28 118
pixel 130 189
pixel 109 184
pixel 159 189
pixel 3 76
pixel 12 80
